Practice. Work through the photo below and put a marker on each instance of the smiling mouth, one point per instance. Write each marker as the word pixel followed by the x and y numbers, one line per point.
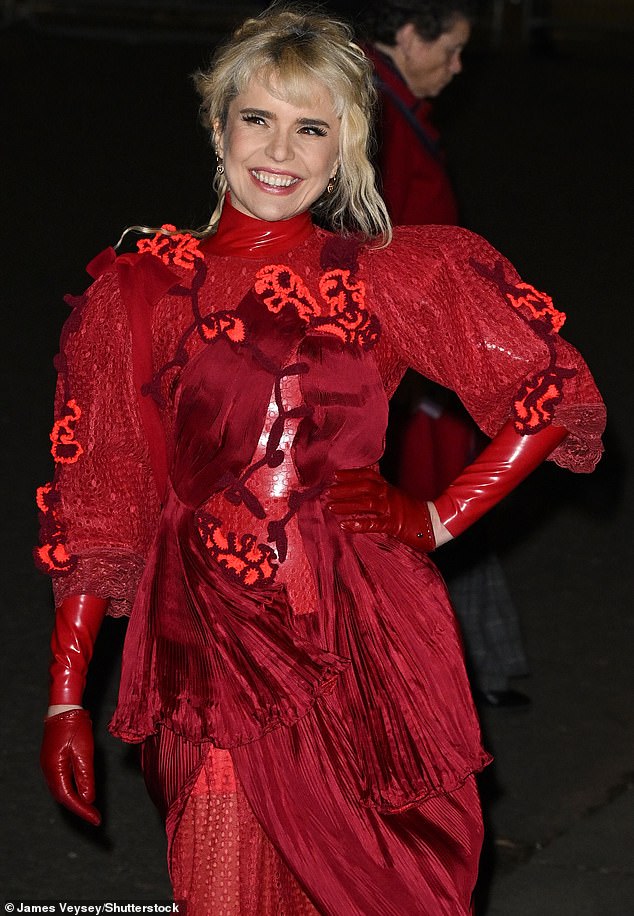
pixel 274 181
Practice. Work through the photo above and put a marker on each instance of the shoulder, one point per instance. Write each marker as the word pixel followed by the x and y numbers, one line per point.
pixel 436 241
pixel 158 263
pixel 431 251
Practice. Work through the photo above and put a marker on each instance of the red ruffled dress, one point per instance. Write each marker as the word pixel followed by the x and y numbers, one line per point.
pixel 300 692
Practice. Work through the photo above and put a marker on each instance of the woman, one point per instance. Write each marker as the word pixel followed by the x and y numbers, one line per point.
pixel 292 668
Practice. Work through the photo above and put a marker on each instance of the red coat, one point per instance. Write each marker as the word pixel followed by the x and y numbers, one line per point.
pixel 415 184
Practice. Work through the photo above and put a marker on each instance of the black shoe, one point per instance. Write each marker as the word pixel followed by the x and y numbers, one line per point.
pixel 502 699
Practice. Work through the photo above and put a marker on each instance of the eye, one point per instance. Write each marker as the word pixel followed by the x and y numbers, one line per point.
pixel 314 131
pixel 253 119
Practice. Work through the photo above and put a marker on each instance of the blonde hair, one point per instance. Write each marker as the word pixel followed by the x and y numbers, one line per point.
pixel 291 48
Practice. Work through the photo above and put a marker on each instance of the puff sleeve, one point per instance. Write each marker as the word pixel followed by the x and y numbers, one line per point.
pixel 99 513
pixel 456 311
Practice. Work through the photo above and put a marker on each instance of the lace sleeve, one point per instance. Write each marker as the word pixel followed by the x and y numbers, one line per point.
pixel 459 314
pixel 99 512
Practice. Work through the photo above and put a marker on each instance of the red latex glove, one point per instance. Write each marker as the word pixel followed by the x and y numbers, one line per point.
pixel 77 623
pixel 505 462
pixel 365 502
pixel 66 759
pixel 67 750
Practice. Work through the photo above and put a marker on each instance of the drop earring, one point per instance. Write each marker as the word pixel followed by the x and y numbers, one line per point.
pixel 330 187
pixel 220 169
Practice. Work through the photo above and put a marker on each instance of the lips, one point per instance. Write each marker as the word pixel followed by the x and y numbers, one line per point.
pixel 274 181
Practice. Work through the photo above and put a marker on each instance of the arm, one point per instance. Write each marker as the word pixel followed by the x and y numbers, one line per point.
pixel 365 502
pixel 98 516
pixel 464 318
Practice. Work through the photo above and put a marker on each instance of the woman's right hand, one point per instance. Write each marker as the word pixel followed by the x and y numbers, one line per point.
pixel 67 761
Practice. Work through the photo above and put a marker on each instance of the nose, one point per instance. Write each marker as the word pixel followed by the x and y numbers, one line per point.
pixel 279 147
pixel 455 64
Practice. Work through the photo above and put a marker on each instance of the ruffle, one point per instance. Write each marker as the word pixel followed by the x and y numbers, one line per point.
pixel 105 573
pixel 225 665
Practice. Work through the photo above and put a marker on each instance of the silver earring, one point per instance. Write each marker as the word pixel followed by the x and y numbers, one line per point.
pixel 220 169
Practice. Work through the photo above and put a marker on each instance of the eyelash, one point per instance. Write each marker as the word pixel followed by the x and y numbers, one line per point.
pixel 314 130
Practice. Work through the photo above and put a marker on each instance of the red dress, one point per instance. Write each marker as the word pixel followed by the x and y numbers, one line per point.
pixel 310 732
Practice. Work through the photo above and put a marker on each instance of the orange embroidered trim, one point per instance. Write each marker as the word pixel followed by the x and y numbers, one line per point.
pixel 51 557
pixel 65 448
pixel 534 406
pixel 539 304
pixel 54 558
pixel 178 248
pixel 278 286
pixel 218 323
pixel 249 562
pixel 522 296
pixel 349 319
pixel 42 497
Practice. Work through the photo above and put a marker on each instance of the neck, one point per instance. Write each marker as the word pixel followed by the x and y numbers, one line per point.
pixel 244 236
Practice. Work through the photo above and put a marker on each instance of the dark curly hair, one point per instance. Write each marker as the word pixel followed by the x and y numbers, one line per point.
pixel 383 18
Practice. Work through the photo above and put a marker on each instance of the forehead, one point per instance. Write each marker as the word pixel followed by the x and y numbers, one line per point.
pixel 458 34
pixel 304 95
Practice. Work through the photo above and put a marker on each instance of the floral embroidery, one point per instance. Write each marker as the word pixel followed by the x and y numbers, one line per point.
pixel 51 557
pixel 522 296
pixel 348 318
pixel 218 323
pixel 535 402
pixel 539 304
pixel 178 248
pixel 65 448
pixel 279 286
pixel 534 406
pixel 249 562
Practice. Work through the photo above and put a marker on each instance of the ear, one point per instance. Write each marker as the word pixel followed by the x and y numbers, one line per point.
pixel 405 36
pixel 218 138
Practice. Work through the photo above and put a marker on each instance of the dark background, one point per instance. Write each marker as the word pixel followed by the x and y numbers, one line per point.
pixel 100 131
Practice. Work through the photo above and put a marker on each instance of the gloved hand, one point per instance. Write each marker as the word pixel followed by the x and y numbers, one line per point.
pixel 66 758
pixel 67 750
pixel 365 502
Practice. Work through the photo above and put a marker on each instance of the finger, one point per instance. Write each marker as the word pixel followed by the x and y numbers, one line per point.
pixel 344 474
pixel 365 506
pixel 62 788
pixel 363 494
pixel 84 777
pixel 364 525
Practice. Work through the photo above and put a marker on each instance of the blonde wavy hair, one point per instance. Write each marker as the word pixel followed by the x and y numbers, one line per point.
pixel 291 48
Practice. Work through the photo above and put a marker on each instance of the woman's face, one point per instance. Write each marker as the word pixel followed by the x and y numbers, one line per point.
pixel 278 157
pixel 428 66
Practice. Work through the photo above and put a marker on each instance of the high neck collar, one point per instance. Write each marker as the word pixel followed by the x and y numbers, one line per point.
pixel 246 237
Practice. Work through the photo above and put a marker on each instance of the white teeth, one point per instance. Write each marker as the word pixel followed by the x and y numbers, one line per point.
pixel 275 181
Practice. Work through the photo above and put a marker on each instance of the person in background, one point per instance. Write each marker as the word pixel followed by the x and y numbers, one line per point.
pixel 292 669
pixel 415 47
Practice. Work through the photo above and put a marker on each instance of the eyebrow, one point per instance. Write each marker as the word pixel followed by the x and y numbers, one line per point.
pixel 262 113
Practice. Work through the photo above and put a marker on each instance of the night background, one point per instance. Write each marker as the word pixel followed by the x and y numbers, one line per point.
pixel 99 131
